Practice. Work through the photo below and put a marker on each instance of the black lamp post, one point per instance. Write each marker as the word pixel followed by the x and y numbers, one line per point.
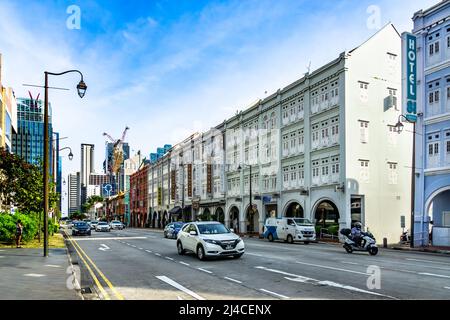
pixel 81 88
pixel 400 128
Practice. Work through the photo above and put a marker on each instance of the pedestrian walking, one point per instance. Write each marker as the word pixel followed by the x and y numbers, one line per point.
pixel 19 231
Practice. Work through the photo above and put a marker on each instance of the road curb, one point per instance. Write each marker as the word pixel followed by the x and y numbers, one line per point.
pixel 87 288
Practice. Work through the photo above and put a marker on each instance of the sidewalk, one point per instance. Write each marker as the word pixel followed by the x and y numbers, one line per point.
pixel 406 247
pixel 27 275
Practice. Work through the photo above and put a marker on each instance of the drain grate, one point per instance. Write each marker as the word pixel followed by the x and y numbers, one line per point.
pixel 86 290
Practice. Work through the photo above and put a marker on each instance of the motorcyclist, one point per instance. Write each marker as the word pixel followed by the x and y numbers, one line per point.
pixel 357 233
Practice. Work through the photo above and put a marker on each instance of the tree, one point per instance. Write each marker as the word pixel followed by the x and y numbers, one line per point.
pixel 21 184
pixel 90 202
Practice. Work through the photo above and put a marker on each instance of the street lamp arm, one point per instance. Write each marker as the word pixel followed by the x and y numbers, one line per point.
pixel 61 73
pixel 65 149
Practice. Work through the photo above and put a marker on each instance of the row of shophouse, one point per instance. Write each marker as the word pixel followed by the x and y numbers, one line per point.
pixel 324 148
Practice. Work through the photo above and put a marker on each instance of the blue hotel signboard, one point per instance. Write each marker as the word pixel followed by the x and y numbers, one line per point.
pixel 409 44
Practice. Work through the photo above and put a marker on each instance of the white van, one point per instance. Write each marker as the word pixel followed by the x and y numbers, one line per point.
pixel 289 229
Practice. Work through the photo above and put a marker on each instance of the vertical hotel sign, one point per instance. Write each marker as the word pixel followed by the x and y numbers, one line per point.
pixel 173 184
pixel 409 75
pixel 189 168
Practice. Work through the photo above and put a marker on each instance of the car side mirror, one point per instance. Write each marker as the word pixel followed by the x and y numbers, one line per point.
pixel 232 230
pixel 192 233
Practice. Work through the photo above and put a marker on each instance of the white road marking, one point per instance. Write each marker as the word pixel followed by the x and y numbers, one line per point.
pixel 141 248
pixel 338 285
pixel 36 275
pixel 434 275
pixel 52 266
pixel 104 247
pixel 347 262
pixel 231 279
pixel 157 254
pixel 2 256
pixel 274 294
pixel 186 264
pixel 102 239
pixel 179 298
pixel 204 270
pixel 169 258
pixel 180 287
pixel 298 278
pixel 148 251
pixel 428 261
pixel 332 268
pixel 447 288
pixel 254 254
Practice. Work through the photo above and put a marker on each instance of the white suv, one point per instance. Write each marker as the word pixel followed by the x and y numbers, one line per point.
pixel 209 239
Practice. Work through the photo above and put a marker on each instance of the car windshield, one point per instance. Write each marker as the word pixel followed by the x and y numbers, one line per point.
pixel 80 224
pixel 116 222
pixel 102 223
pixel 178 225
pixel 94 222
pixel 214 228
pixel 302 222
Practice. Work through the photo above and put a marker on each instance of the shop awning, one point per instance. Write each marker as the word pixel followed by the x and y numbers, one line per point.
pixel 175 210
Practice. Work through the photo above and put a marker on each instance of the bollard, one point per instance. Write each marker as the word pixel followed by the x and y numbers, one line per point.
pixel 384 242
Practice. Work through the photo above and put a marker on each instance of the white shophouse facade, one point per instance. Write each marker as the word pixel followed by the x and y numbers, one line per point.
pixel 325 147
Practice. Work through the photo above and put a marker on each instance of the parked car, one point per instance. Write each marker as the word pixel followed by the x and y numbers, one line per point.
pixel 172 229
pixel 103 226
pixel 81 228
pixel 289 229
pixel 116 225
pixel 209 239
pixel 93 224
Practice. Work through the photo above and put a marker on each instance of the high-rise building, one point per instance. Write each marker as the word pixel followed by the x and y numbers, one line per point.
pixel 119 181
pixel 28 142
pixel 87 167
pixel 74 193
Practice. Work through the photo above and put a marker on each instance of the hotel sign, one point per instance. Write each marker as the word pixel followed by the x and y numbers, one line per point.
pixel 409 69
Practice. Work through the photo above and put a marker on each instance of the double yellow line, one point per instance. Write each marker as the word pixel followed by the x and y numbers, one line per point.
pixel 85 257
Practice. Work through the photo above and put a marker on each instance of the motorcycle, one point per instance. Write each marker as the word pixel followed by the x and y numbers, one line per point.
pixel 367 242
pixel 404 238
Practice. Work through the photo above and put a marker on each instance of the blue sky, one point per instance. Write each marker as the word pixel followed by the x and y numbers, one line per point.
pixel 169 68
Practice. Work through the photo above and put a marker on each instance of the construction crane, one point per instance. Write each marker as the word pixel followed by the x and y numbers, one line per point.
pixel 117 151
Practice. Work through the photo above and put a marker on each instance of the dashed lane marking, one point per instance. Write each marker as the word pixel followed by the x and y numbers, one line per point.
pixel 186 264
pixel 332 268
pixel 34 275
pixel 169 258
pixel 231 279
pixel 204 270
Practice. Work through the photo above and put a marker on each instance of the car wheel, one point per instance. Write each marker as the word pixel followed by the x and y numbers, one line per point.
pixel 306 242
pixel 348 249
pixel 165 234
pixel 270 237
pixel 237 256
pixel 200 253
pixel 290 239
pixel 181 251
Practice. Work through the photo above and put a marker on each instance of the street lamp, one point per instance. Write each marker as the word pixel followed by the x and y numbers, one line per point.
pixel 81 88
pixel 70 153
pixel 399 126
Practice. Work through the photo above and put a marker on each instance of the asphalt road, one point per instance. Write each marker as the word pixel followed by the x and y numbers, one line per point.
pixel 141 264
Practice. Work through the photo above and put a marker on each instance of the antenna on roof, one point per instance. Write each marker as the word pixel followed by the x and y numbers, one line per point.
pixel 309 67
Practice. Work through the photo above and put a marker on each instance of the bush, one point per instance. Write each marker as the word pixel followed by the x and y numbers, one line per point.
pixel 8 222
pixel 334 229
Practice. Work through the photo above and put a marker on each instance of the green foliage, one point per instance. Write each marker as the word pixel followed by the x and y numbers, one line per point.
pixel 78 216
pixel 21 184
pixel 8 222
pixel 90 202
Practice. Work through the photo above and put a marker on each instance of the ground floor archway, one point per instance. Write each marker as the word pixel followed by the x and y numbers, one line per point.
pixel 327 216
pixel 252 219
pixel 220 215
pixel 294 210
pixel 234 219
pixel 438 210
pixel 205 215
